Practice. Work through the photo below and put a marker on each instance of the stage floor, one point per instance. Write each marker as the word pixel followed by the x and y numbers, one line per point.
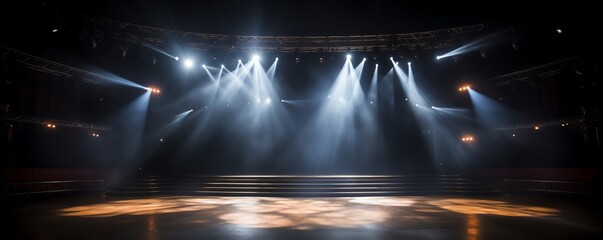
pixel 422 217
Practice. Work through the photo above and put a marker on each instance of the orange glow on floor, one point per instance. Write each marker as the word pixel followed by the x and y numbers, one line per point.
pixel 309 213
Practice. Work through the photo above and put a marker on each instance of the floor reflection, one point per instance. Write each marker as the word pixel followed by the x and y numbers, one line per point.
pixel 310 213
pixel 501 208
pixel 472 227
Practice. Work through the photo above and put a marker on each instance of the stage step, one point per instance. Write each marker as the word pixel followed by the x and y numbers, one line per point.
pixel 301 185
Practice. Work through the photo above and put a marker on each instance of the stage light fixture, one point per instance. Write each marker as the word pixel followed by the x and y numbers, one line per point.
pixel 189 63
pixel 464 88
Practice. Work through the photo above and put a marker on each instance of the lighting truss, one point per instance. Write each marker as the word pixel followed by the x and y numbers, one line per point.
pixel 135 33
pixel 576 121
pixel 62 123
pixel 51 67
pixel 544 70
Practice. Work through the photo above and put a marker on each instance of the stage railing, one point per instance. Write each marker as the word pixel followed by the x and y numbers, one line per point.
pixel 29 188
pixel 553 187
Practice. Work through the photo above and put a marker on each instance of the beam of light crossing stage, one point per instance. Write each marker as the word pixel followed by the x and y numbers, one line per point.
pixel 114 79
pixel 473 46
pixel 132 119
pixel 161 51
pixel 491 113
pixel 342 122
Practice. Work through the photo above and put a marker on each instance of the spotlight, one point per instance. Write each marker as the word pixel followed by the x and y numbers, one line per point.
pixel 467 139
pixel 349 56
pixel 432 107
pixel 513 135
pixel 408 63
pixel 558 30
pixel 282 100
pixel 268 100
pixel 161 139
pixel 188 63
pixel 204 66
pixel 240 61
pixel 176 58
pixel 276 59
pixel 397 63
pixel 438 57
pixel 391 58
pixel 406 99
pixel 153 90
pixel 536 128
pixel 222 66
pixel 255 58
pixel 55 30
pixel 464 88
pixel 376 65
pixel 363 59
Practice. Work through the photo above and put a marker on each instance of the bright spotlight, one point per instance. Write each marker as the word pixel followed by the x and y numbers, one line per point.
pixel 432 107
pixel 397 63
pixel 438 57
pixel 153 90
pixel 282 100
pixel 188 63
pixel 176 58
pixel 363 59
pixel 464 88
pixel 204 66
pixel 257 100
pixel 349 56
pixel 239 60
pixel 408 63
pixel 391 58
pixel 467 139
pixel 376 65
pixel 222 66
pixel 416 104
pixel 55 30
pixel 536 128
pixel 559 30
pixel 268 100
pixel 256 58
pixel 276 59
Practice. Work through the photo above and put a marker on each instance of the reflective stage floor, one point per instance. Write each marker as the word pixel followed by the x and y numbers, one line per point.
pixel 424 217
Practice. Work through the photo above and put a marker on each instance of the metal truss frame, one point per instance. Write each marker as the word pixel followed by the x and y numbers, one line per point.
pixel 61 123
pixel 135 33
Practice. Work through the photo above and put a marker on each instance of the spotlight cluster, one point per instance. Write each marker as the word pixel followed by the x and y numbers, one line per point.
pixel 153 90
pixel 50 125
pixel 95 134
pixel 467 139
pixel 464 88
